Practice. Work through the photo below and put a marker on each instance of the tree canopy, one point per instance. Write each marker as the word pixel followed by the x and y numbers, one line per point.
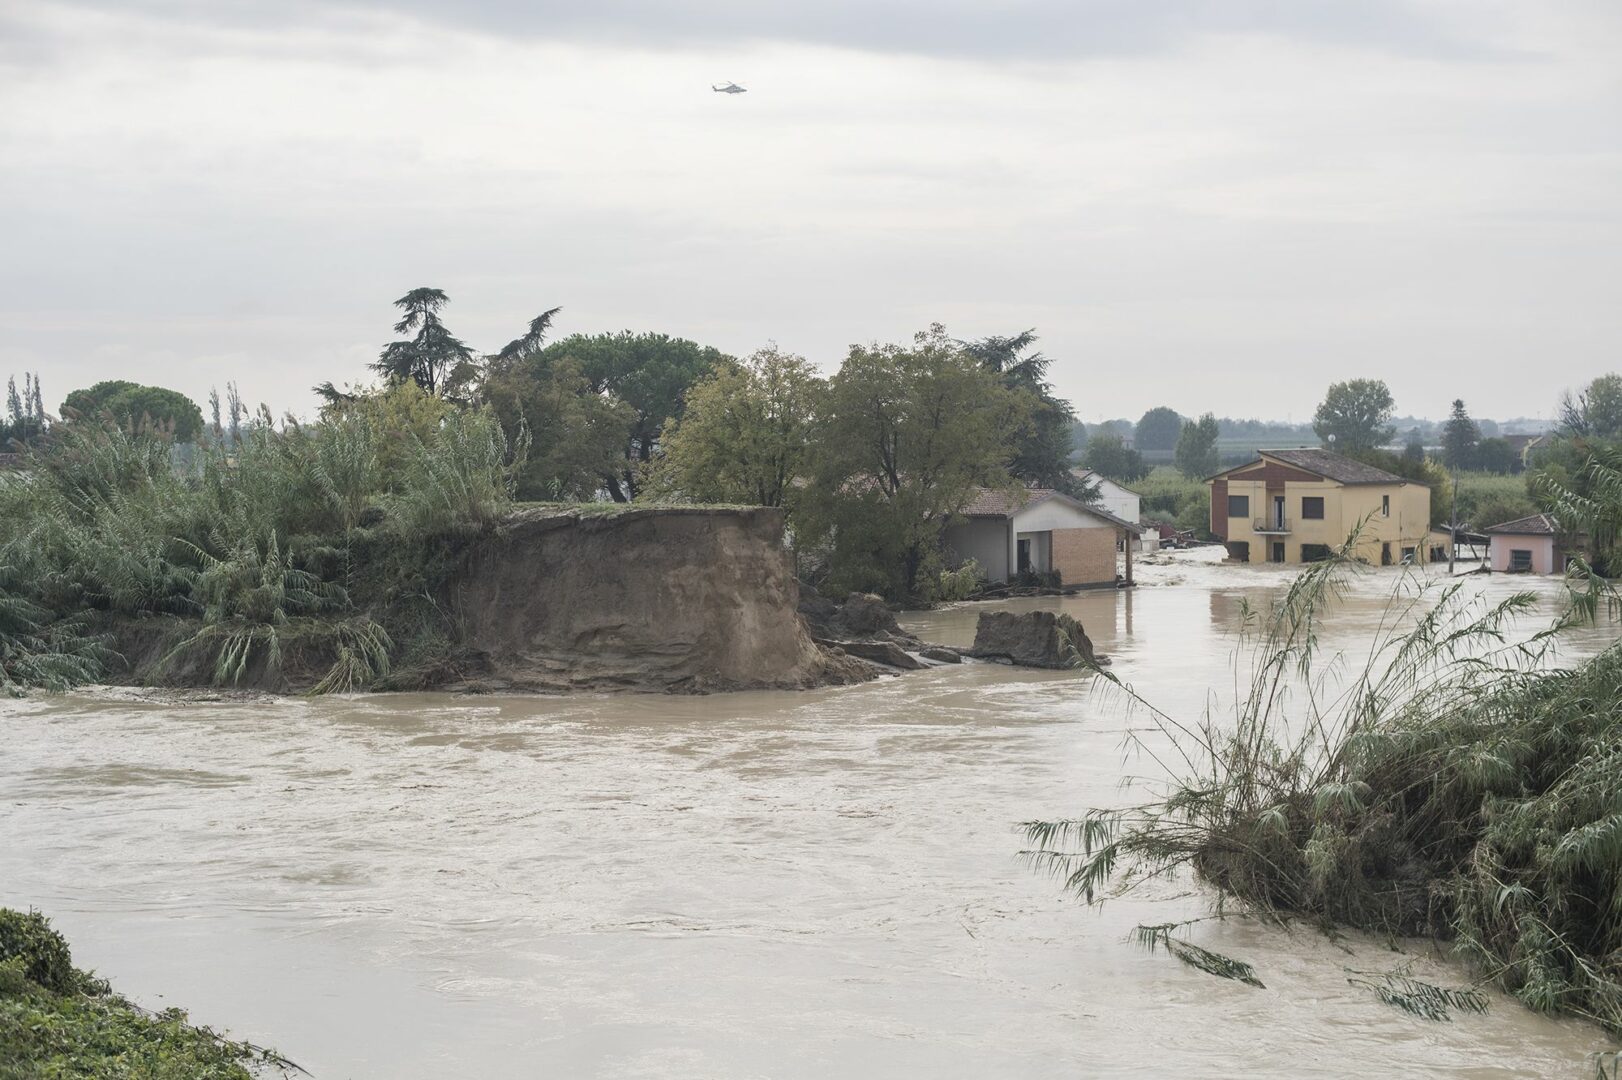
pixel 25 420
pixel 136 407
pixel 1108 455
pixel 430 357
pixel 1158 429
pixel 649 374
pixel 1596 411
pixel 1197 448
pixel 1497 456
pixel 1043 441
pixel 1355 415
pixel 908 433
pixel 1460 437
pixel 744 435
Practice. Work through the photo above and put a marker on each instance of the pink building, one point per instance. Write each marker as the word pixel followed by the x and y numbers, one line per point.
pixel 1528 545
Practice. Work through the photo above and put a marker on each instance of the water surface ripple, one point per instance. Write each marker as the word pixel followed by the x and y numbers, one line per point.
pixel 752 885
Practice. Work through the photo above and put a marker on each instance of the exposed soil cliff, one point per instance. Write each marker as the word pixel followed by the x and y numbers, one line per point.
pixel 677 600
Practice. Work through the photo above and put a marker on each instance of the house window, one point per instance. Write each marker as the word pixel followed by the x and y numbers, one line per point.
pixel 1238 506
pixel 1385 505
pixel 1239 550
pixel 1314 552
pixel 1312 507
pixel 1410 556
pixel 1520 561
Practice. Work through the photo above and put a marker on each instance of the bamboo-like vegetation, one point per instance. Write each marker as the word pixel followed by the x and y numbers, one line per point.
pixel 1445 783
pixel 251 548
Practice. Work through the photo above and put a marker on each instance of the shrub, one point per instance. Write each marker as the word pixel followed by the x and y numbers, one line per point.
pixel 1446 787
pixel 56 1020
pixel 1169 495
pixel 257 543
pixel 960 584
pixel 43 953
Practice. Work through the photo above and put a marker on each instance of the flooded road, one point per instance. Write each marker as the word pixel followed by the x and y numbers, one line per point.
pixel 755 885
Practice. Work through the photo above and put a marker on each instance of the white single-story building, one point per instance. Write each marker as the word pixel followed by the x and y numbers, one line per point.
pixel 1528 545
pixel 1121 501
pixel 1118 499
pixel 1040 530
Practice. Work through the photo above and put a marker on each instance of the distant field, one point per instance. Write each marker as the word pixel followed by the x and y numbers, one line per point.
pixel 1237 450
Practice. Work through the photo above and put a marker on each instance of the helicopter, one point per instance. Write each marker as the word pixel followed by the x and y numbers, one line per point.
pixel 729 88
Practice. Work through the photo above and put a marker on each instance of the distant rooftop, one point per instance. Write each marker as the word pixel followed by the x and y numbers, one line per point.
pixel 1332 466
pixel 1535 525
pixel 1000 504
pixel 1082 473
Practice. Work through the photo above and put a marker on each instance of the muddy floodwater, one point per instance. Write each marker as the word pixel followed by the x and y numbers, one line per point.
pixel 821 884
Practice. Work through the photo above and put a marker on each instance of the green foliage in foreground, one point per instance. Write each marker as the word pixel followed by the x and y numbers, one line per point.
pixel 1447 786
pixel 309 551
pixel 39 651
pixel 58 1021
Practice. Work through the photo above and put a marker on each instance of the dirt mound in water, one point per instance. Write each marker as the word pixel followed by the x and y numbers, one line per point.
pixel 685 600
pixel 1034 639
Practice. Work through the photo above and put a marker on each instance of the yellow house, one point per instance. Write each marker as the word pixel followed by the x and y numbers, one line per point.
pixel 1292 506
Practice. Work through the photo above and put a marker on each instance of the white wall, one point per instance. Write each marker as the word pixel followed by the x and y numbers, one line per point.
pixel 1124 504
pixel 1056 514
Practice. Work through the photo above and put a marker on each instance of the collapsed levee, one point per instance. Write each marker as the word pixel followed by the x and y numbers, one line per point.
pixel 683 599
pixel 545 599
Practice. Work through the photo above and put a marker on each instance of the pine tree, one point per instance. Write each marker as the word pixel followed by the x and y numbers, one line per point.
pixel 1460 437
pixel 431 355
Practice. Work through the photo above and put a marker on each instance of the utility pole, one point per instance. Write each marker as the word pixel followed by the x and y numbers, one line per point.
pixel 1453 533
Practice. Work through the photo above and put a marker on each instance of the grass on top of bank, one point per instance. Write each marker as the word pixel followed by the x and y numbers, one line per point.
pixel 1442 783
pixel 298 543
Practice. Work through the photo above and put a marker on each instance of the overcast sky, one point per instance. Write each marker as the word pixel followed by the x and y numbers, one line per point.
pixel 1212 204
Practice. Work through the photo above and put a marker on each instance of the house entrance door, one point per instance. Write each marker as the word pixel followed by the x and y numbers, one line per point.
pixel 1278 551
pixel 1024 563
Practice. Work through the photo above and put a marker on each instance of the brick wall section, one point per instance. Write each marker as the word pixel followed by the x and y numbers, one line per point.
pixel 1084 556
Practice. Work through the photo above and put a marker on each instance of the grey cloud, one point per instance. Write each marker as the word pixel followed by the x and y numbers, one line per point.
pixel 1033 30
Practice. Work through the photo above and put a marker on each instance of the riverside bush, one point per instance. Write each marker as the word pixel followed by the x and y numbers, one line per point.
pixel 1449 786
pixel 56 1020
pixel 253 547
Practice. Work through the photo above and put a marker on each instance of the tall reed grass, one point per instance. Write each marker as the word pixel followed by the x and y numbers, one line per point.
pixel 254 538
pixel 1444 782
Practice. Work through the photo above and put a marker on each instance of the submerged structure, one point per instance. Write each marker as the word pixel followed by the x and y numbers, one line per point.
pixel 1042 531
pixel 1296 506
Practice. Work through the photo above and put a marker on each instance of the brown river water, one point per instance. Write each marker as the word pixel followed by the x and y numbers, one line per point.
pixel 821 884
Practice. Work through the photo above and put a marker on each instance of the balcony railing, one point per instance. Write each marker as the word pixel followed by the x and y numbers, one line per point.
pixel 1277 523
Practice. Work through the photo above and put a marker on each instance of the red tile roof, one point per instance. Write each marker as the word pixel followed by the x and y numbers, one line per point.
pixel 1001 504
pixel 1535 525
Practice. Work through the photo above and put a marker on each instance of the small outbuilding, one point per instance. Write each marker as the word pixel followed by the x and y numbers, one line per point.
pixel 1528 545
pixel 1040 530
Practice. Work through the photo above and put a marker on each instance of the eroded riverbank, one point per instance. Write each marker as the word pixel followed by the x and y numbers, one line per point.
pixel 763 884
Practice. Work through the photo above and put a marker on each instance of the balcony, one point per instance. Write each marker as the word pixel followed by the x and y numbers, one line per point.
pixel 1277 524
